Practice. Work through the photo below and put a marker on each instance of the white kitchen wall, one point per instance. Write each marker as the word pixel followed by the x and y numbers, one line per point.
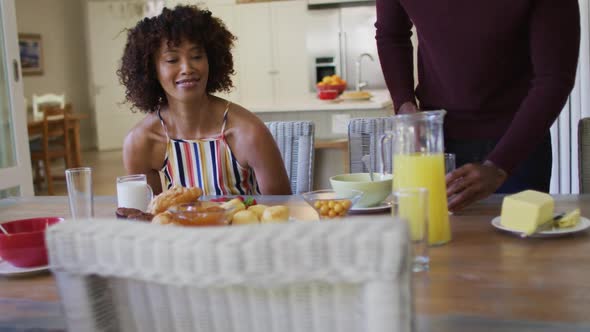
pixel 61 25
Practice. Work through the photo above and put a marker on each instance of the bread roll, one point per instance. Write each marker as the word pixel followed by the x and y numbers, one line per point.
pixel 233 206
pixel 258 210
pixel 277 213
pixel 245 217
pixel 173 196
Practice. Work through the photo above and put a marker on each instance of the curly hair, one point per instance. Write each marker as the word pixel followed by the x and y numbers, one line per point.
pixel 138 69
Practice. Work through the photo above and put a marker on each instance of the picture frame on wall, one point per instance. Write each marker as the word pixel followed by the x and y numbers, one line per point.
pixel 31 53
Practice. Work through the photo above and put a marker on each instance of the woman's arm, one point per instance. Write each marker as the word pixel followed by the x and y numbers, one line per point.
pixel 138 157
pixel 265 159
pixel 254 144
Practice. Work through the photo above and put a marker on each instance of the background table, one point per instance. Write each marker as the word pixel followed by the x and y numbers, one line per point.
pixel 483 280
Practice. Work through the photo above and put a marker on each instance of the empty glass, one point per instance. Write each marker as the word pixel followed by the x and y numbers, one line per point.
pixel 80 194
pixel 411 205
pixel 450 163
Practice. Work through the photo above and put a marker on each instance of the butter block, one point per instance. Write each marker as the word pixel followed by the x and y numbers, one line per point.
pixel 527 210
pixel 569 220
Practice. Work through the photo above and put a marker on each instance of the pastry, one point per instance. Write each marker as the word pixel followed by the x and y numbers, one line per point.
pixel 277 213
pixel 233 206
pixel 258 210
pixel 173 196
pixel 245 217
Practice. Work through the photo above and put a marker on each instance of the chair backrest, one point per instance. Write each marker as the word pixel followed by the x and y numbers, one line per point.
pixel 124 276
pixel 295 140
pixel 584 155
pixel 55 122
pixel 363 139
pixel 40 101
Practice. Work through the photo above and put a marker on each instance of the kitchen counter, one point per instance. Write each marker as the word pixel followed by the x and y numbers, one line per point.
pixel 380 100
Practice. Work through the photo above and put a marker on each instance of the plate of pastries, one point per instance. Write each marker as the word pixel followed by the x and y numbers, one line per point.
pixel 182 206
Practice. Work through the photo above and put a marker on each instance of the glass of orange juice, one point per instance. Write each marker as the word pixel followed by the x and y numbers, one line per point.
pixel 410 205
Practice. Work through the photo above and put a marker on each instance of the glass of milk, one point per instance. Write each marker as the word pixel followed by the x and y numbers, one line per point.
pixel 134 192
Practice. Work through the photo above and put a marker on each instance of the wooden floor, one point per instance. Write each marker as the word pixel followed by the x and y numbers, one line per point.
pixel 106 166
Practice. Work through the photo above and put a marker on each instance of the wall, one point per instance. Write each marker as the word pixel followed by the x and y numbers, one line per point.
pixel 61 25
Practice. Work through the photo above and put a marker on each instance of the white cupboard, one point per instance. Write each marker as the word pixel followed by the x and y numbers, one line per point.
pixel 272 62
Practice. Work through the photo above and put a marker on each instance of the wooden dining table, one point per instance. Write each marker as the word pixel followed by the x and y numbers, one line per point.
pixel 35 128
pixel 483 280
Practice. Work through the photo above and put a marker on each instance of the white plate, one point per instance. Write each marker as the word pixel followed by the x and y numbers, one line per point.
pixel 9 270
pixel 555 232
pixel 379 208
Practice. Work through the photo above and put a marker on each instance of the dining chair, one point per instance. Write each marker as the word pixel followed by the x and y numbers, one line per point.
pixel 300 276
pixel 54 143
pixel 295 140
pixel 363 139
pixel 50 99
pixel 584 154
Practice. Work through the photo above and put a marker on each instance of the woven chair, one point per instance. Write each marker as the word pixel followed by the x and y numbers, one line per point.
pixel 584 155
pixel 295 140
pixel 301 276
pixel 363 139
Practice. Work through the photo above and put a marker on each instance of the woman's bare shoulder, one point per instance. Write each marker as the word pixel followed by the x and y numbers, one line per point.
pixel 240 117
pixel 146 139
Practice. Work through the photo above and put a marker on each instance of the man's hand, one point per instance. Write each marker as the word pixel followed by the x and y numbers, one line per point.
pixel 407 108
pixel 472 182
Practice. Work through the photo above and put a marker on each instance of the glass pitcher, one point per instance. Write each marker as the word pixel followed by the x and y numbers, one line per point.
pixel 417 143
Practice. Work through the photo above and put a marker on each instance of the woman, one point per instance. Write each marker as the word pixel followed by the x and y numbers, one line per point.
pixel 171 65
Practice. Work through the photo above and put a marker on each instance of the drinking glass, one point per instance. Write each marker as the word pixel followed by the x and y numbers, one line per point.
pixel 450 163
pixel 80 195
pixel 134 192
pixel 411 205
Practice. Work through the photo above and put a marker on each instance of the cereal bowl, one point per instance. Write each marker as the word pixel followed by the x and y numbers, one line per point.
pixel 24 246
pixel 374 192
pixel 331 204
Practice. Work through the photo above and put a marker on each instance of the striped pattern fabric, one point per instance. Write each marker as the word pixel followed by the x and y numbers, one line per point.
pixel 208 164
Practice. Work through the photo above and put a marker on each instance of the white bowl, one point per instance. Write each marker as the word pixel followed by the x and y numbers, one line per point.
pixel 374 192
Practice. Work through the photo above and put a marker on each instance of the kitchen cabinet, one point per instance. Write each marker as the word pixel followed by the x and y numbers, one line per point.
pixel 272 61
pixel 228 14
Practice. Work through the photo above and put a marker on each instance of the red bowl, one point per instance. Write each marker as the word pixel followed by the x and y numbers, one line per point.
pixel 25 244
pixel 328 94
pixel 339 87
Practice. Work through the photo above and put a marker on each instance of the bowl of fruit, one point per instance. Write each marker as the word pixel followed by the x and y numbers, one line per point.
pixel 330 87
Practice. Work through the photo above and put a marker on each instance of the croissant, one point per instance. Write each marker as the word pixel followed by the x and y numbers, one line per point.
pixel 173 196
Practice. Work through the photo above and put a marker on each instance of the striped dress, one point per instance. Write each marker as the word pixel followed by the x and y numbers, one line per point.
pixel 206 163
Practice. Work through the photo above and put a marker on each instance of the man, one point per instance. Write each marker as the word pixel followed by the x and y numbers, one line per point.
pixel 501 69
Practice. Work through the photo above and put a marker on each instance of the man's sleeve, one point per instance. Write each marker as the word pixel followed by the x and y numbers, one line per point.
pixel 395 50
pixel 554 43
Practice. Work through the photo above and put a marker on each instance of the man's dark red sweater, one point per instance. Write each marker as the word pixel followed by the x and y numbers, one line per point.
pixel 503 69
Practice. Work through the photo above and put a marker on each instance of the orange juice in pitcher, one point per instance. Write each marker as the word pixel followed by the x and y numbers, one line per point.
pixel 426 171
pixel 418 162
